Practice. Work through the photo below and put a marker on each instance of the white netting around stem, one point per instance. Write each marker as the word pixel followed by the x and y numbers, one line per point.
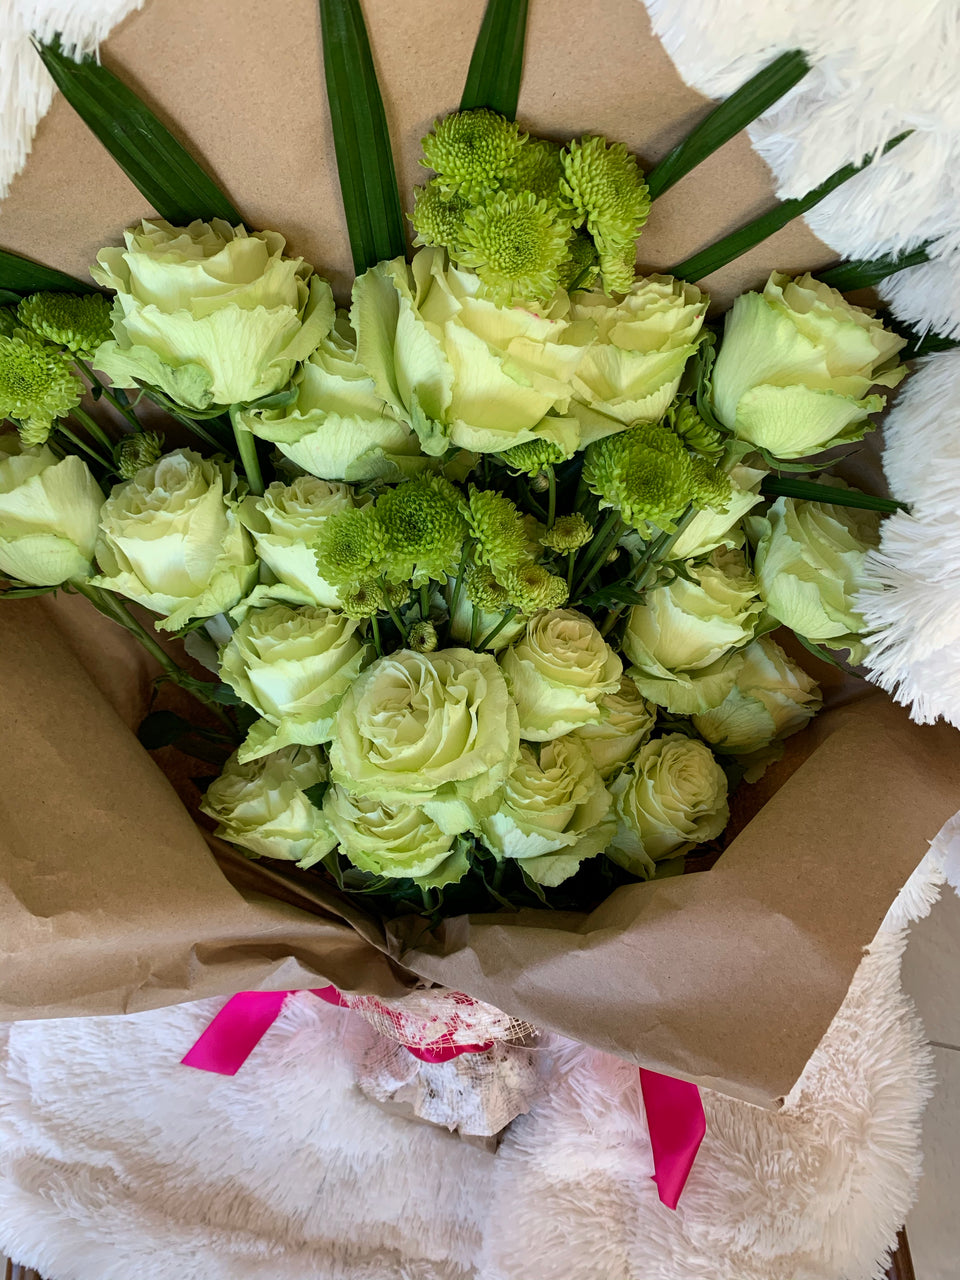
pixel 439 1019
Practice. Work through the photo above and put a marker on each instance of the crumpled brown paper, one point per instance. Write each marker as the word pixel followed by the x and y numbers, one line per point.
pixel 111 899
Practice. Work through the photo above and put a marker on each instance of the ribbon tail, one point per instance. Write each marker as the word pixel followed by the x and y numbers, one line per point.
pixel 677 1125
pixel 235 1032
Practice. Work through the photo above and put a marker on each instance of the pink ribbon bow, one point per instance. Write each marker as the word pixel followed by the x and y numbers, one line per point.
pixel 675 1118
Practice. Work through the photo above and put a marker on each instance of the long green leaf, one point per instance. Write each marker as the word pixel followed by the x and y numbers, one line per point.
pixel 930 344
pixel 150 156
pixel 496 67
pixel 725 121
pixel 739 242
pixel 864 273
pixel 809 490
pixel 20 276
pixel 368 181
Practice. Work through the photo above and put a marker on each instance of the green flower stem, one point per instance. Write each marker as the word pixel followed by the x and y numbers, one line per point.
pixel 551 497
pixel 247 446
pixel 395 616
pixel 377 642
pixel 659 551
pixel 425 602
pixel 600 546
pixel 571 561
pixel 474 626
pixel 492 634
pixel 93 427
pixel 96 381
pixel 111 606
pixel 81 444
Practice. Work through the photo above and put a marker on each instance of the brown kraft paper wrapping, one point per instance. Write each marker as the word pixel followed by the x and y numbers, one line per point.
pixel 111 901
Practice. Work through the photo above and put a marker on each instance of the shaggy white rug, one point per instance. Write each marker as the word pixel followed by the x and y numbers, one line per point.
pixel 117 1161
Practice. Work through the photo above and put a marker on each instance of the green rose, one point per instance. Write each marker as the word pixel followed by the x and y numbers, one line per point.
pixel 264 807
pixel 338 426
pixel 627 721
pixel 558 672
pixel 772 698
pixel 555 811
pixel 710 528
pixel 672 797
pixel 293 666
pixel 796 365
pixel 400 841
pixel 283 524
pixel 49 513
pixel 460 369
pixel 683 639
pixel 210 314
pixel 631 371
pixel 809 563
pixel 172 540
pixel 438 730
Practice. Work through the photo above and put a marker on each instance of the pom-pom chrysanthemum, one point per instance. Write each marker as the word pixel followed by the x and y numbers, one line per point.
pixel 645 473
pixel 516 244
pixel 78 321
pixel 471 151
pixel 569 533
pixel 350 548
pixel 37 384
pixel 531 457
pixel 437 218
pixel 138 451
pixel 424 529
pixel 607 193
pixel 498 528
pixel 532 587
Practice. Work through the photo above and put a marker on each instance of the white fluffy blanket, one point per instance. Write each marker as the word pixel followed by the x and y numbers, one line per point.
pixel 116 1161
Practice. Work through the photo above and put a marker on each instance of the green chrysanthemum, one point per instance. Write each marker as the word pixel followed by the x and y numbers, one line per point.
pixel 516 244
pixel 605 187
pixel 618 267
pixel 351 547
pixel 422 637
pixel 531 587
pixel 364 601
pixel 34 432
pixel 498 528
pixel 78 321
pixel 438 218
pixel 532 456
pixel 694 432
pixel 37 384
pixel 537 168
pixel 582 265
pixel 472 151
pixel 645 473
pixel 137 451
pixel 569 533
pixel 484 590
pixel 396 594
pixel 424 528
pixel 711 486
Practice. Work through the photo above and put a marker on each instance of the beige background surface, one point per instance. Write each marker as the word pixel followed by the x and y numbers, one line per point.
pixel 241 82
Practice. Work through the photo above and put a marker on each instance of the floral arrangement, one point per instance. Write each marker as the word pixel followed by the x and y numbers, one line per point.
pixel 489 567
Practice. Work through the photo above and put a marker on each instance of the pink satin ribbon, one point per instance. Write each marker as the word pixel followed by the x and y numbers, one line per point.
pixel 675 1118
pixel 676 1124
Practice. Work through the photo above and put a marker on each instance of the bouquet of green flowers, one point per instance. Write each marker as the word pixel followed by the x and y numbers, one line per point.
pixel 488 565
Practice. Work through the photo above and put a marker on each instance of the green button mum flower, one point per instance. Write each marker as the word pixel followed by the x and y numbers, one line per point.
pixel 531 587
pixel 569 533
pixel 364 602
pixel 351 547
pixel 694 432
pixel 532 456
pixel 498 528
pixel 537 168
pixel 136 452
pixel 78 321
pixel 484 590
pixel 516 244
pixel 471 151
pixel 438 218
pixel 605 187
pixel 645 473
pixel 582 266
pixel 424 529
pixel 37 385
